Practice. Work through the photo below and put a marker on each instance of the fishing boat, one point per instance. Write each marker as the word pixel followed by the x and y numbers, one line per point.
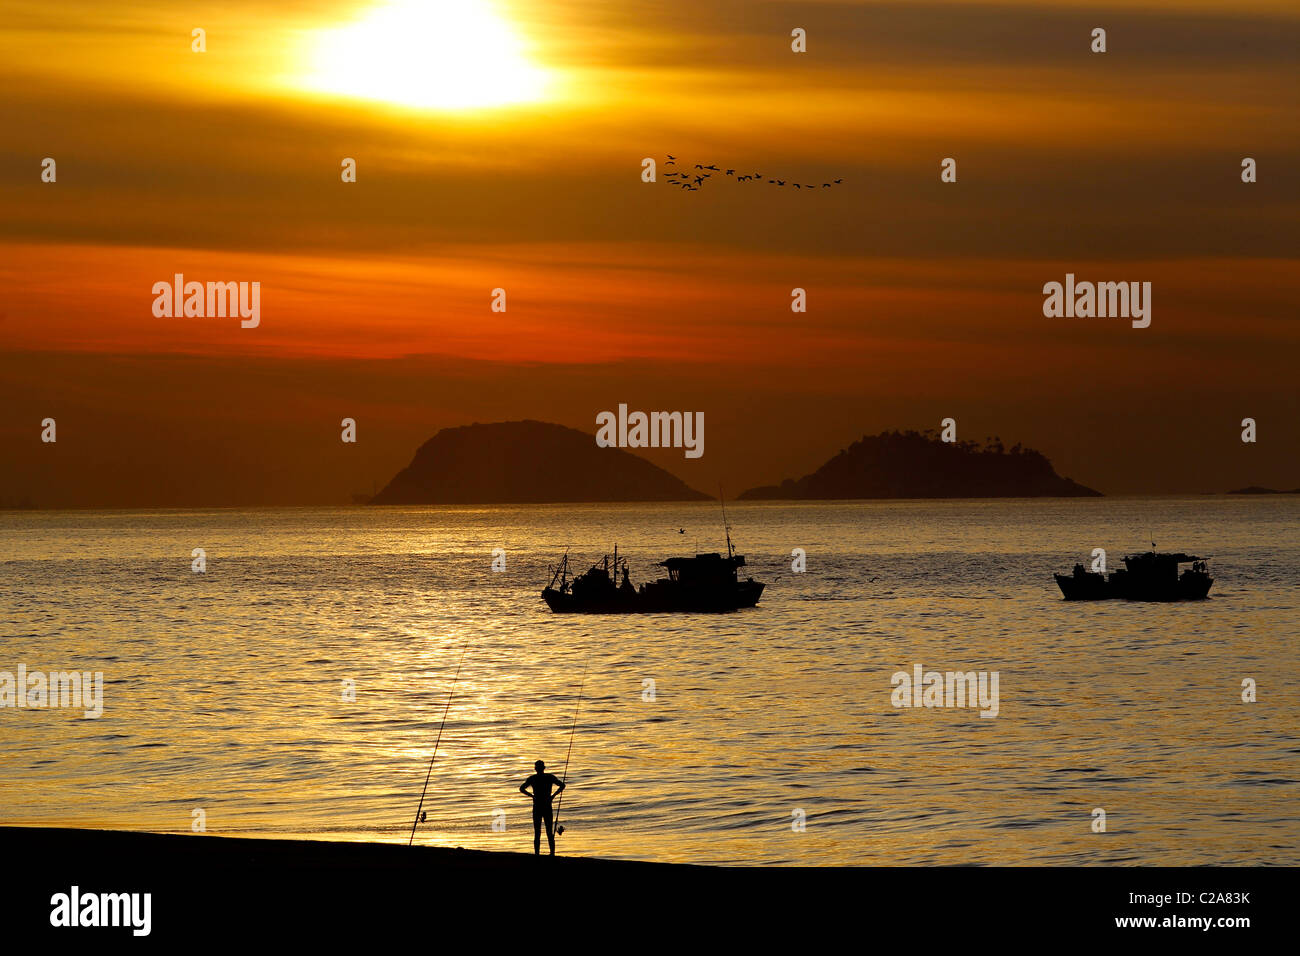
pixel 703 583
pixel 1151 576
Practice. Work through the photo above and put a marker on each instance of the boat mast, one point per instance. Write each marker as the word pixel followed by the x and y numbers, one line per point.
pixel 561 571
pixel 725 527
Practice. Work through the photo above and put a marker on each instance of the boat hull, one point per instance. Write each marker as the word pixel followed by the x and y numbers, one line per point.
pixel 1188 588
pixel 1120 586
pixel 1088 587
pixel 656 600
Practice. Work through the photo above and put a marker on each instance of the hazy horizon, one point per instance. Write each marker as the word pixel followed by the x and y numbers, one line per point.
pixel 350 477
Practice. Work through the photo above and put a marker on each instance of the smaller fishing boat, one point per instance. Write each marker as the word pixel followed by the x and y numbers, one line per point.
pixel 1151 576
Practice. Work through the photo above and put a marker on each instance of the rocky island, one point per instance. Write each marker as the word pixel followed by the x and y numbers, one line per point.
pixel 910 464
pixel 527 462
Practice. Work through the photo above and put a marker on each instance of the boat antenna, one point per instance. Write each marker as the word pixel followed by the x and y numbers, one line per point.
pixel 725 527
pixel 427 775
pixel 564 777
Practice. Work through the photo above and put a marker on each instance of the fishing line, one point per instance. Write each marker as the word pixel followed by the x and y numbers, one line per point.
pixel 429 774
pixel 564 778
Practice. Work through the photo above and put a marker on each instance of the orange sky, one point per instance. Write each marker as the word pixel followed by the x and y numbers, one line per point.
pixel 924 298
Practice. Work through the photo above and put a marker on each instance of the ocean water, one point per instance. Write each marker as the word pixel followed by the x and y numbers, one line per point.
pixel 224 691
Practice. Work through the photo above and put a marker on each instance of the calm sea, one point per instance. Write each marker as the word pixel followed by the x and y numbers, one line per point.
pixel 225 691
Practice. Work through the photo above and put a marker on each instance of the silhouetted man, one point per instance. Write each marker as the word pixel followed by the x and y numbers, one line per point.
pixel 542 782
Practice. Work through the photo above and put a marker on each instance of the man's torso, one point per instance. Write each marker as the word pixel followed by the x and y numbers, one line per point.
pixel 541 784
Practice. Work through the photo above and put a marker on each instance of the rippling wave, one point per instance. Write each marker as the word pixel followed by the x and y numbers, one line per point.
pixel 224 690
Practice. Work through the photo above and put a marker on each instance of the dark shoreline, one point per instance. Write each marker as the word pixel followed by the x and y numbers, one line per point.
pixel 300 892
pixel 209 887
pixel 211 852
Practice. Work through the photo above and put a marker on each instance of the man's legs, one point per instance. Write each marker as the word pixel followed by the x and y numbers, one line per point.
pixel 550 829
pixel 537 830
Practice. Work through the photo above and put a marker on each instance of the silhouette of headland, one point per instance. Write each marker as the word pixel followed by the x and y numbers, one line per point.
pixel 527 462
pixel 910 464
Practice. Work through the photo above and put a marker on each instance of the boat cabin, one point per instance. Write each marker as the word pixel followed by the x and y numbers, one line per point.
pixel 702 567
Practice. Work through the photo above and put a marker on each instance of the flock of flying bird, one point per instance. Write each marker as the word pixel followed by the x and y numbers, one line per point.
pixel 692 181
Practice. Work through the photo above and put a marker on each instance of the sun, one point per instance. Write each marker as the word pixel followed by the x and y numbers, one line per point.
pixel 430 54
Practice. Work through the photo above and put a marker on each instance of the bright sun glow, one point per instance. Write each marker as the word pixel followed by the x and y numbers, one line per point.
pixel 439 54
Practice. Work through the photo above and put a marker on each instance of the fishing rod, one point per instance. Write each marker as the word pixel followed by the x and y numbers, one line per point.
pixel 429 774
pixel 564 778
